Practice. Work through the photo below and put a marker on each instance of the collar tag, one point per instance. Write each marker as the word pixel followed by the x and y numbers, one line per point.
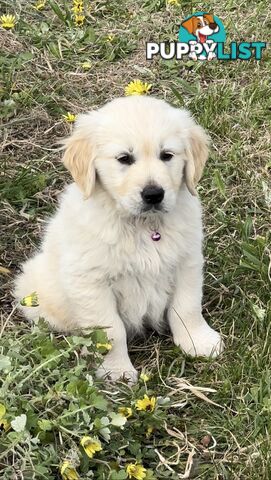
pixel 155 236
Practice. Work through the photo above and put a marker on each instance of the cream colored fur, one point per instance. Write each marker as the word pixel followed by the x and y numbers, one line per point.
pixel 98 265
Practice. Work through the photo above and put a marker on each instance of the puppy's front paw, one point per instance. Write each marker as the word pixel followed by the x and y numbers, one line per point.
pixel 211 55
pixel 193 56
pixel 200 341
pixel 114 368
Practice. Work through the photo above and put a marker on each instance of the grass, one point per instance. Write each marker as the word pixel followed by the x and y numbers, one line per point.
pixel 48 399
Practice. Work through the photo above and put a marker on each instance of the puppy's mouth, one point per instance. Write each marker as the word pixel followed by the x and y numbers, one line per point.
pixel 202 38
pixel 156 208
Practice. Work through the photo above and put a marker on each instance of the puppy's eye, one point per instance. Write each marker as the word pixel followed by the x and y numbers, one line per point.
pixel 126 158
pixel 166 156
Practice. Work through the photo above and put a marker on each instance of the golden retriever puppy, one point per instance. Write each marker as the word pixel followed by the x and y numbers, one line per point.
pixel 125 245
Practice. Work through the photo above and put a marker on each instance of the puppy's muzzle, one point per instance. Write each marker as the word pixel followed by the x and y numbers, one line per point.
pixel 152 195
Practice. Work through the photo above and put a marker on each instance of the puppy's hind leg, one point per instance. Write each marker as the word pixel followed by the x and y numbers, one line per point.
pixel 40 277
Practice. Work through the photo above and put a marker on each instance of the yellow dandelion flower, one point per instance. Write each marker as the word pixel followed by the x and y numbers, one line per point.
pixel 8 21
pixel 147 404
pixel 173 2
pixel 2 410
pixel 78 7
pixel 91 445
pixel 144 377
pixel 137 87
pixel 107 346
pixel 4 425
pixel 79 20
pixel 110 38
pixel 68 471
pixel 149 431
pixel 31 300
pixel 86 65
pixel 136 471
pixel 125 411
pixel 40 4
pixel 69 117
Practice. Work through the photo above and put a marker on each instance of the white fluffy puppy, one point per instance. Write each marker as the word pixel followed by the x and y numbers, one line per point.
pixel 125 245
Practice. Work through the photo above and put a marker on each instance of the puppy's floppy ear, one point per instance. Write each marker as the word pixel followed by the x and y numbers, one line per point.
pixel 209 17
pixel 189 24
pixel 79 155
pixel 196 156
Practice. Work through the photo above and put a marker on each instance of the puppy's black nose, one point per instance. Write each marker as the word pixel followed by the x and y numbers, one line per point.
pixel 152 194
pixel 213 25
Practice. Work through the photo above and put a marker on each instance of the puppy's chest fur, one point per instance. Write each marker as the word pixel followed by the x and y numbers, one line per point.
pixel 142 273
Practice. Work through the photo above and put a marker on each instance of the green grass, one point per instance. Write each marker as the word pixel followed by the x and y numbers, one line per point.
pixel 44 376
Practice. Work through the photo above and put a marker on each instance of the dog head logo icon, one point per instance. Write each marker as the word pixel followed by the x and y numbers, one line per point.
pixel 200 30
pixel 201 26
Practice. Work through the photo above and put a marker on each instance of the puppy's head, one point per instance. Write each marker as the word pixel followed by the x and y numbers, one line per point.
pixel 140 150
pixel 202 24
